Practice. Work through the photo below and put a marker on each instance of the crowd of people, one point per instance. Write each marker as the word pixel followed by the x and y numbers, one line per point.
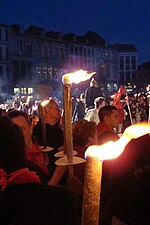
pixel 34 190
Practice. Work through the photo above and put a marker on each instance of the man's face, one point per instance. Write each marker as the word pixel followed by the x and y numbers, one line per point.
pixel 114 118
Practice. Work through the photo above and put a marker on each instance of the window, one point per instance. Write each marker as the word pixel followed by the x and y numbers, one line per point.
pixel 121 63
pixel 84 50
pixel 49 52
pixel 115 86
pixel 121 60
pixel 29 48
pixel 127 76
pixel 16 71
pixel 71 49
pixel 29 69
pixel 50 72
pixel 89 52
pixel 23 91
pixel 38 71
pixel 127 60
pixel 16 90
pixel 121 66
pixel 108 86
pixel 80 50
pixel 122 77
pixel 30 90
pixel 134 76
pixel 133 61
pixel 23 69
pixel 76 50
pixel 7 73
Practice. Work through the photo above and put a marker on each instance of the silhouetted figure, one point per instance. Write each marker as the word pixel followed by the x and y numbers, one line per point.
pixel 91 93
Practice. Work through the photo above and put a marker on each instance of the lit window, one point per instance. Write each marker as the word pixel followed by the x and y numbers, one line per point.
pixel 115 86
pixel 30 90
pixel 108 86
pixel 23 91
pixel 16 90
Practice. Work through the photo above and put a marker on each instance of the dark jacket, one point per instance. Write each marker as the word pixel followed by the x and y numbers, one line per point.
pixel 90 94
pixel 54 134
pixel 37 204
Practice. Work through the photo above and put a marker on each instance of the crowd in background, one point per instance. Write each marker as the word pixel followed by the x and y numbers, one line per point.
pixel 96 119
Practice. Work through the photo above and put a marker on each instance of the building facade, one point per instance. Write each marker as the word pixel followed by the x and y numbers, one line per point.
pixel 33 61
pixel 127 65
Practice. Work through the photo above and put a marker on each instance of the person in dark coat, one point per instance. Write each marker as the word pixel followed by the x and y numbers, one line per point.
pixel 79 110
pixel 54 131
pixel 91 93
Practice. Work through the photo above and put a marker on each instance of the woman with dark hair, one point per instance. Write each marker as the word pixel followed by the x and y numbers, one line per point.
pixel 35 159
pixel 84 135
pixel 23 200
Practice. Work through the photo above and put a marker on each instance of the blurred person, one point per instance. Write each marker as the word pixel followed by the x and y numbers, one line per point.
pixel 79 110
pixel 118 102
pixel 54 131
pixel 109 119
pixel 35 159
pixel 92 114
pixel 23 199
pixel 84 135
pixel 91 93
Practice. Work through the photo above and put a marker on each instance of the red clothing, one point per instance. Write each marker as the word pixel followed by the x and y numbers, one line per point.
pixel 117 103
pixel 35 155
pixel 103 127
pixel 17 177
pixel 106 133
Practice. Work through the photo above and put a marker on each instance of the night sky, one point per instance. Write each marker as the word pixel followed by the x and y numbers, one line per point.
pixel 117 21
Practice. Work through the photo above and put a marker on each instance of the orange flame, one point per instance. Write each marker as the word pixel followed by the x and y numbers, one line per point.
pixel 77 77
pixel 111 150
pixel 44 103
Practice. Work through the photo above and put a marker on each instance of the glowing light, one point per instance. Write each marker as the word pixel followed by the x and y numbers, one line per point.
pixel 111 150
pixel 44 103
pixel 77 77
pixel 93 172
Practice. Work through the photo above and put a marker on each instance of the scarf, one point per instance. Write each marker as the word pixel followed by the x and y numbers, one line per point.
pixel 17 177
pixel 35 155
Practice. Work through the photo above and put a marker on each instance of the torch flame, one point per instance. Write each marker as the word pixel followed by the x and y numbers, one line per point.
pixel 77 76
pixel 111 150
pixel 44 103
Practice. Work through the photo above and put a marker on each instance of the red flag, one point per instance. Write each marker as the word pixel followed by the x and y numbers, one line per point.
pixel 117 103
pixel 117 96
